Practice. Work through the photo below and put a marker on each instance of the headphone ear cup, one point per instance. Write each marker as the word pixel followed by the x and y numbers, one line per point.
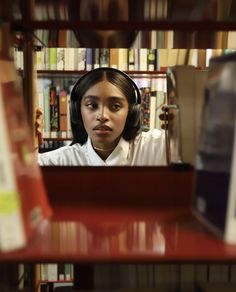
pixel 134 115
pixel 73 112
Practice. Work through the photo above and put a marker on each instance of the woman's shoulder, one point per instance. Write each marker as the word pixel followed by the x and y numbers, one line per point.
pixel 153 134
pixel 148 148
pixel 61 156
pixel 64 149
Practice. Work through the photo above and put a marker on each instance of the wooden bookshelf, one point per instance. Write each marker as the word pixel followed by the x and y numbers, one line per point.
pixel 201 26
pixel 119 204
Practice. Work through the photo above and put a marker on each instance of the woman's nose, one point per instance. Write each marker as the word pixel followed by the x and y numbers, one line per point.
pixel 102 115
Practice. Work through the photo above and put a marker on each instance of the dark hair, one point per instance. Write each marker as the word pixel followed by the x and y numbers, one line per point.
pixel 126 86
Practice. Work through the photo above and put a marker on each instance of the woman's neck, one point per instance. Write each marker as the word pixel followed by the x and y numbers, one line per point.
pixel 104 154
pixel 105 150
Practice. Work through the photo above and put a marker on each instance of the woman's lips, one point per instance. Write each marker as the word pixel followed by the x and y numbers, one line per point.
pixel 102 129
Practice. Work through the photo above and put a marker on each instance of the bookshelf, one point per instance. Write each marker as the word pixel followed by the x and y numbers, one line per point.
pixel 202 247
pixel 161 235
pixel 54 86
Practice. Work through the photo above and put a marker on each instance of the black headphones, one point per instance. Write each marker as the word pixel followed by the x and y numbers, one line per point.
pixel 133 118
pixel 133 84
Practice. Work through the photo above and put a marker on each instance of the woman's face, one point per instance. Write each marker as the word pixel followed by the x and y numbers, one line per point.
pixel 104 110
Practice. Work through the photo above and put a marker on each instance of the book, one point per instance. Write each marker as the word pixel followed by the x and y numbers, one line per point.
pixel 81 59
pixel 151 59
pixel 72 59
pixel 89 59
pixel 24 203
pixel 52 269
pixel 60 58
pixel 114 57
pixel 214 198
pixel 131 59
pixel 143 59
pixel 54 111
pixel 63 113
pixel 104 56
pixel 46 108
pixel 96 58
pixel 123 59
pixel 53 58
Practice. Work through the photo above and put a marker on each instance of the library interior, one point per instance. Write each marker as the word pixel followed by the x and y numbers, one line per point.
pixel 118 145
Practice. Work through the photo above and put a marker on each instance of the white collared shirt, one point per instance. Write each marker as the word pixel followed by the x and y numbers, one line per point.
pixel 148 148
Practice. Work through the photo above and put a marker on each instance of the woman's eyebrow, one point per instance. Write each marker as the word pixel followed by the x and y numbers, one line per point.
pixel 95 97
pixel 117 97
pixel 91 97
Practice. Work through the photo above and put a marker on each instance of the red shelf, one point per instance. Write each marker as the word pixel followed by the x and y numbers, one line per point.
pixel 93 221
pixel 131 236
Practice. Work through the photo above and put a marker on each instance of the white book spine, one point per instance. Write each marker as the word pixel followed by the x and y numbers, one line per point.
pixel 143 59
pixel 60 58
pixel 52 272
pixel 230 234
pixel 81 58
pixel 123 59
pixel 69 132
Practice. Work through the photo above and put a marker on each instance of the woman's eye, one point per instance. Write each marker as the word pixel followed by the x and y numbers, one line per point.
pixel 116 106
pixel 91 105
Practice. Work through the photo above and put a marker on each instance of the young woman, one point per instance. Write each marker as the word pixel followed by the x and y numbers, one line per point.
pixel 105 122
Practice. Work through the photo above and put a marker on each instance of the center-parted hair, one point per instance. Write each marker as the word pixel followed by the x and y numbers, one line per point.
pixel 119 79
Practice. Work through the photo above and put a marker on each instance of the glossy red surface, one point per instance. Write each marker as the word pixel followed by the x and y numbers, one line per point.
pixel 123 235
pixel 122 214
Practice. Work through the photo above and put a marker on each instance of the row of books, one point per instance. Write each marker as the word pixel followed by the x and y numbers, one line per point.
pixel 56 272
pixel 81 59
pixel 161 276
pixel 54 99
pixel 52 144
pixel 87 59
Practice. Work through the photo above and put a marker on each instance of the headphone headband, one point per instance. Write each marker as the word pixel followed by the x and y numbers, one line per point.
pixel 131 81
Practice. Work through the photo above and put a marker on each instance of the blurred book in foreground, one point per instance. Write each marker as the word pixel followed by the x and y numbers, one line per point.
pixel 23 200
pixel 214 199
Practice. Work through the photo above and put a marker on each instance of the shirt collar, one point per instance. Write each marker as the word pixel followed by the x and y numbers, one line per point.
pixel 119 156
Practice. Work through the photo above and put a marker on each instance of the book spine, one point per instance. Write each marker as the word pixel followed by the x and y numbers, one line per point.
pixel 114 58
pixel 54 122
pixel 39 60
pixel 12 233
pixel 46 110
pixel 69 131
pixel 151 59
pixel 52 272
pixel 72 59
pixel 60 58
pixel 96 58
pixel 63 113
pixel 104 57
pixel 89 59
pixel 123 59
pixel 143 58
pixel 81 59
pixel 68 272
pixel 131 59
pixel 53 58
pixel 47 59
pixel 44 272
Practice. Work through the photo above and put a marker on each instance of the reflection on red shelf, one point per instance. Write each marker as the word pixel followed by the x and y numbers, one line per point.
pixel 123 235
